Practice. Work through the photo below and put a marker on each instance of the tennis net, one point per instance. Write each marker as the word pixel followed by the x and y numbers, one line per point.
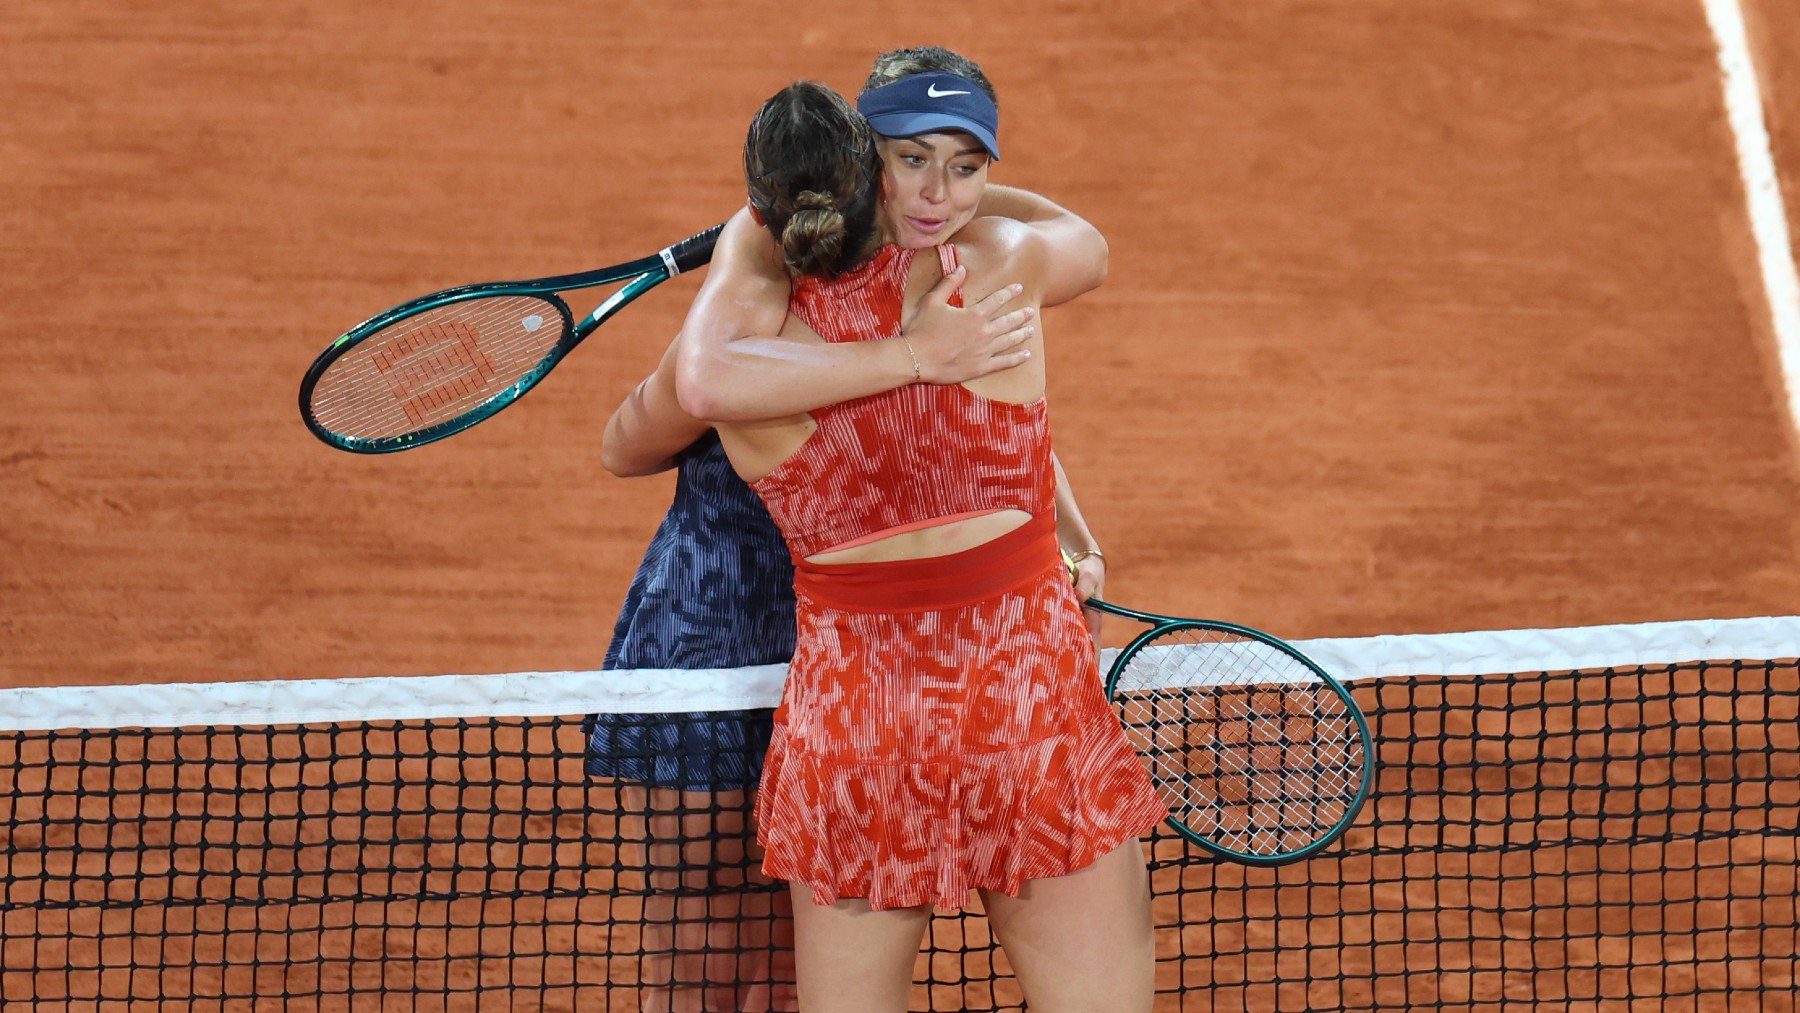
pixel 1589 818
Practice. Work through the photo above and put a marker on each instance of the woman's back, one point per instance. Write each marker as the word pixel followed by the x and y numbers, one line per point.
pixel 715 587
pixel 942 468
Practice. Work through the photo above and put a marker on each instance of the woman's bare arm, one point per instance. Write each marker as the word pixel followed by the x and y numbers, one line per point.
pixel 729 364
pixel 1073 534
pixel 733 368
pixel 1081 262
pixel 718 369
pixel 649 428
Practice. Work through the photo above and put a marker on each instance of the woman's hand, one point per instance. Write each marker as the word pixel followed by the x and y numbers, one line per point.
pixel 1089 573
pixel 955 344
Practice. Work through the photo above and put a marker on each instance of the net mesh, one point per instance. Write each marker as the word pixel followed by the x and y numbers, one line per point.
pixel 1619 837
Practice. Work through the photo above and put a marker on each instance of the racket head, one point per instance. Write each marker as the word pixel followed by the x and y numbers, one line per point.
pixel 1262 757
pixel 435 366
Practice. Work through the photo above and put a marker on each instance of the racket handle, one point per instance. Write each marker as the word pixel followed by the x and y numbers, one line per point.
pixel 694 251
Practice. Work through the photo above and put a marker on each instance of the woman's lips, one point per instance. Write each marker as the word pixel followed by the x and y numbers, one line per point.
pixel 928 226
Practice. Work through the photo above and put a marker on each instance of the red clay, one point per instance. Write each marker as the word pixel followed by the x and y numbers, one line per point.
pixel 1421 317
pixel 1418 319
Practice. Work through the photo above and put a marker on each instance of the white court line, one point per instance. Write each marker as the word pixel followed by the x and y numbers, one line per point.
pixel 1762 186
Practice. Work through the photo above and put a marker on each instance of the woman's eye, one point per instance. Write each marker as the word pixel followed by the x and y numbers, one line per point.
pixel 913 160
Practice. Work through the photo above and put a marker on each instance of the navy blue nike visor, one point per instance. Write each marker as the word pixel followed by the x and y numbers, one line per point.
pixel 928 103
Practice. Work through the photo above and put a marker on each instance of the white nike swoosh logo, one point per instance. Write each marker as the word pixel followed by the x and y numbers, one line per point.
pixel 934 93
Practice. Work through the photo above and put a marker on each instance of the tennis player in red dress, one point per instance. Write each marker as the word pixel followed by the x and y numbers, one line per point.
pixel 779 376
pixel 943 728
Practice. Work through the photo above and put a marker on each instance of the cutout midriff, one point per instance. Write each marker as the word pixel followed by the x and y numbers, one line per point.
pixel 936 536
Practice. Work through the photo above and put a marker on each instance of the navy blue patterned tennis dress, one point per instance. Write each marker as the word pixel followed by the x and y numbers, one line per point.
pixel 715 590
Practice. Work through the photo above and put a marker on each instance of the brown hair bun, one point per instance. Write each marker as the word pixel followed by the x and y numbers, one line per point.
pixel 814 178
pixel 814 236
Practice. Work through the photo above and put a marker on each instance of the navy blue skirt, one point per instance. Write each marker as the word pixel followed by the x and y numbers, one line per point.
pixel 715 590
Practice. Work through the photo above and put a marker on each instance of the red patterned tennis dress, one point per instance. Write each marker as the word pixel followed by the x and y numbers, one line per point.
pixel 943 727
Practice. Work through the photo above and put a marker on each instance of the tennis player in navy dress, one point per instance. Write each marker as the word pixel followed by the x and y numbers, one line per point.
pixel 714 590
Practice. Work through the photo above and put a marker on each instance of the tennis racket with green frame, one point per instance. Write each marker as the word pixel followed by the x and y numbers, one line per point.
pixel 436 365
pixel 1260 755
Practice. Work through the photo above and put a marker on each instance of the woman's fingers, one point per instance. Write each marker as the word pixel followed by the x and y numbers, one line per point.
pixel 1014 327
pixel 996 301
pixel 1004 361
pixel 948 285
pixel 1007 348
pixel 1090 580
pixel 1093 617
pixel 957 344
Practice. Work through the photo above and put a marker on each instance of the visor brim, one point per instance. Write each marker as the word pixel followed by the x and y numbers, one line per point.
pixel 913 124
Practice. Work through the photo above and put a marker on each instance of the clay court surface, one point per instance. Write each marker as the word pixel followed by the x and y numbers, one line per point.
pixel 1423 315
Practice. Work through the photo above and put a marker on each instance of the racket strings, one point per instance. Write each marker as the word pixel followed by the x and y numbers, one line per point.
pixel 440 364
pixel 1247 745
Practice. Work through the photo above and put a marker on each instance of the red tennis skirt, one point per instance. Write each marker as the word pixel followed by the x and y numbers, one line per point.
pixel 943 729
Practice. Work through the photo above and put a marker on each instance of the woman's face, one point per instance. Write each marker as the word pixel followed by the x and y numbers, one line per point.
pixel 930 186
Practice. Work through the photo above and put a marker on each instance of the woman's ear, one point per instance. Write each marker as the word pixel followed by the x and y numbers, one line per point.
pixel 755 215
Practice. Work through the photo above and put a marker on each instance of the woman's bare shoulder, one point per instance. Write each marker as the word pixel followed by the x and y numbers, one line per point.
pixel 988 245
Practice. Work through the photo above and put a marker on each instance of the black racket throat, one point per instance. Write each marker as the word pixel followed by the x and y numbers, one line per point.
pixel 1133 614
pixel 1163 624
pixel 692 252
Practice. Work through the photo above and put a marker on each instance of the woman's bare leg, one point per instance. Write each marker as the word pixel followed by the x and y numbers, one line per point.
pixel 1082 943
pixel 852 959
pixel 717 934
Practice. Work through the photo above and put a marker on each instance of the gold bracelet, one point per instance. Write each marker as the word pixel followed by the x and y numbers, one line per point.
pixel 1071 561
pixel 918 368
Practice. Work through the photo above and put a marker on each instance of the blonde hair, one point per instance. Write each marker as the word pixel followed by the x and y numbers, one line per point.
pixel 895 64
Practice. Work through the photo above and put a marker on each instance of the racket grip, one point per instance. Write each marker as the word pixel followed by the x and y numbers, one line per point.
pixel 694 251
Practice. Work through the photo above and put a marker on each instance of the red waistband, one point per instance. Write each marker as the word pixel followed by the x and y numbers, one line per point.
pixel 961 578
